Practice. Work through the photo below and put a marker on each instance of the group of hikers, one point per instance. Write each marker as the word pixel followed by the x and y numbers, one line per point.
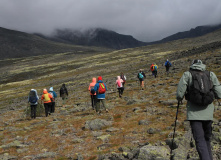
pixel 48 98
pixel 141 75
pixel 96 93
pixel 198 86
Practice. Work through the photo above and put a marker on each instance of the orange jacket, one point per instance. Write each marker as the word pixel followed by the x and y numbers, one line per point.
pixel 45 92
pixel 92 84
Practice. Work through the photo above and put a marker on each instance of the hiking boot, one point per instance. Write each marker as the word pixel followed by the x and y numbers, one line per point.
pixel 98 112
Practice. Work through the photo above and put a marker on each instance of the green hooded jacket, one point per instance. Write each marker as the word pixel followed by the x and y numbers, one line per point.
pixel 195 112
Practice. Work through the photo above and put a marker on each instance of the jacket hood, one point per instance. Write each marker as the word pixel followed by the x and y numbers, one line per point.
pixel 51 89
pixel 94 80
pixel 99 78
pixel 45 91
pixel 198 66
pixel 100 81
pixel 33 90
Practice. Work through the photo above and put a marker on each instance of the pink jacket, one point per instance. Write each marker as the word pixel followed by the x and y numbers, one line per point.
pixel 119 82
pixel 92 84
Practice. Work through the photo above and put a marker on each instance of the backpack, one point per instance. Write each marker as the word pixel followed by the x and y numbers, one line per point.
pixel 32 97
pixel 168 64
pixel 140 75
pixel 101 88
pixel 52 94
pixel 123 77
pixel 155 67
pixel 200 93
pixel 62 90
pixel 92 90
pixel 46 97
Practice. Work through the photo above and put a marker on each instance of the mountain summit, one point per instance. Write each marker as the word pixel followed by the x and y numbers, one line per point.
pixel 96 37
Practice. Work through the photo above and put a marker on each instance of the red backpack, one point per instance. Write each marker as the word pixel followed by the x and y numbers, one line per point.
pixel 101 88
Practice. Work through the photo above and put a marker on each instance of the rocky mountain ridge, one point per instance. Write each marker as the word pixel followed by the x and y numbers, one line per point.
pixel 15 44
pixel 194 32
pixel 95 37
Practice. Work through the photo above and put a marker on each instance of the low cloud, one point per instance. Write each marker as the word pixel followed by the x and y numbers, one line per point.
pixel 146 20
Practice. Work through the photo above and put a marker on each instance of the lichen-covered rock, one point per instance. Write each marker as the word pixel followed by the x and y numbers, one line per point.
pixel 153 152
pixel 16 143
pixel 46 155
pixel 143 122
pixel 97 124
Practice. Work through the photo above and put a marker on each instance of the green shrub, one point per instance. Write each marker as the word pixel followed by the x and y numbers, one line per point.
pixel 40 111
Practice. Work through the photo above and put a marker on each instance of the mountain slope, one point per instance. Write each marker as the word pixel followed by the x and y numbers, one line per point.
pixel 195 32
pixel 15 44
pixel 140 120
pixel 96 37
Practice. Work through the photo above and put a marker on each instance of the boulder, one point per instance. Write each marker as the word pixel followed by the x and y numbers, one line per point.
pixel 153 152
pixel 97 124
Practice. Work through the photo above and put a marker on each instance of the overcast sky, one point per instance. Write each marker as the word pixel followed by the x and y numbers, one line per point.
pixel 145 20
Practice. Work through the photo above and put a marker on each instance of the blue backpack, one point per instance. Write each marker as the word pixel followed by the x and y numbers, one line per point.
pixel 32 97
pixel 140 75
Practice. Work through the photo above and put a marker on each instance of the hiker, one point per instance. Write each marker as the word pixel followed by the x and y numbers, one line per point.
pixel 119 83
pixel 167 65
pixel 46 97
pixel 63 94
pixel 54 95
pixel 92 92
pixel 199 106
pixel 100 89
pixel 33 100
pixel 154 68
pixel 123 77
pixel 141 77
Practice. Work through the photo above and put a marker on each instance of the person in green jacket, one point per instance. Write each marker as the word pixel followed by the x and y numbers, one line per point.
pixel 200 118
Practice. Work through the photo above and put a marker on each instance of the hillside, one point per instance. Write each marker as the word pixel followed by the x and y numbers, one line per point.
pixel 138 125
pixel 15 44
pixel 194 32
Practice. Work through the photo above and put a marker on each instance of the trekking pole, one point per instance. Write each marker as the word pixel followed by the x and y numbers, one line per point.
pixel 174 130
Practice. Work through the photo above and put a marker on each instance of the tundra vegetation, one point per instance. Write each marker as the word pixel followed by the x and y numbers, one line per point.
pixel 141 119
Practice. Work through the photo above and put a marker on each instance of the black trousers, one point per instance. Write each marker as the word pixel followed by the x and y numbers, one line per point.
pixel 33 111
pixel 52 107
pixel 154 73
pixel 121 91
pixel 202 131
pixel 167 69
pixel 93 101
pixel 47 108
